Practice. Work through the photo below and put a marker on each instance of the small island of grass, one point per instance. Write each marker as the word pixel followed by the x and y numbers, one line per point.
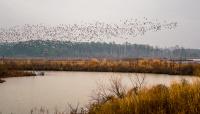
pixel 5 73
pixel 2 81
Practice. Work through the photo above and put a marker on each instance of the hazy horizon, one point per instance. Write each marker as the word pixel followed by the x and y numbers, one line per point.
pixel 53 12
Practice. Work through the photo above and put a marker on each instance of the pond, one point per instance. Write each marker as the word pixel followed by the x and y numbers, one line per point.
pixel 56 90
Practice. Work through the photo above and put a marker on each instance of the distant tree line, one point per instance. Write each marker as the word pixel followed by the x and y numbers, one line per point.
pixel 60 49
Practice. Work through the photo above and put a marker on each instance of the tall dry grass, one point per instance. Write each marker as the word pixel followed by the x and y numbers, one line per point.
pixel 132 65
pixel 178 98
pixel 6 72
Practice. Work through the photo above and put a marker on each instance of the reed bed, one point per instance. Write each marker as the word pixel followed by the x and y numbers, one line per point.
pixel 5 72
pixel 178 98
pixel 104 65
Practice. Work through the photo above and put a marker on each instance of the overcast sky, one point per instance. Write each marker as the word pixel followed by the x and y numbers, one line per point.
pixel 185 12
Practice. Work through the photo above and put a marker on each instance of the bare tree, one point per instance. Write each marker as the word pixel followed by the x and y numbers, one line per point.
pixel 73 110
pixel 116 87
pixel 101 94
pixel 137 82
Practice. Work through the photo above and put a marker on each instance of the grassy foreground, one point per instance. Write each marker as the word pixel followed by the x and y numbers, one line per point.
pixel 102 65
pixel 179 98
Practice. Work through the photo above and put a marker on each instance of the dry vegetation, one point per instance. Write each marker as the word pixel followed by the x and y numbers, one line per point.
pixel 179 98
pixel 5 72
pixel 15 73
pixel 131 65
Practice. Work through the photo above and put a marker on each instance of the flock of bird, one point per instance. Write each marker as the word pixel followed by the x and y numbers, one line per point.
pixel 98 31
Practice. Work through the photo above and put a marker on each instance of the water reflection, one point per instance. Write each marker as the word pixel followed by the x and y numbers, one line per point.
pixel 56 89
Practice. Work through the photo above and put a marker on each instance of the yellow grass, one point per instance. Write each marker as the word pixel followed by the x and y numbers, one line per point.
pixel 103 65
pixel 179 98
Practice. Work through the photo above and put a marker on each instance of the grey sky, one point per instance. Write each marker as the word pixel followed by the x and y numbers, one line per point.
pixel 185 12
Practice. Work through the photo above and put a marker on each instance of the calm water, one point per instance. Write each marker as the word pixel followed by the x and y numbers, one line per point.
pixel 56 90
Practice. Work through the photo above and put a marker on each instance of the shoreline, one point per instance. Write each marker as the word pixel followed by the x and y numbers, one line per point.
pixel 154 66
pixel 14 73
pixel 2 81
pixel 112 72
